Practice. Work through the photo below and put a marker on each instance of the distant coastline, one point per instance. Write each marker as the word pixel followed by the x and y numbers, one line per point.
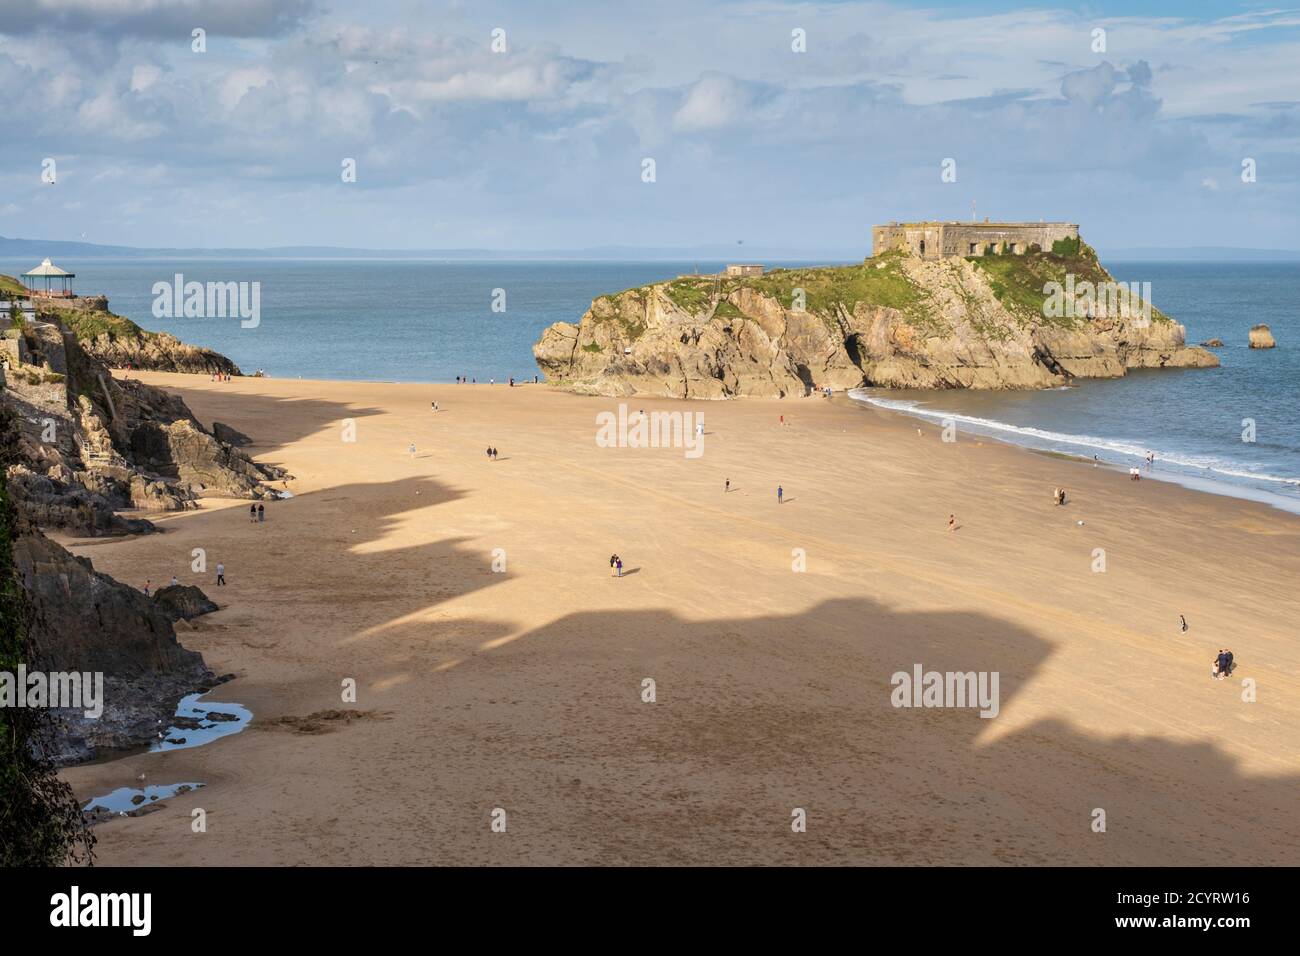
pixel 22 247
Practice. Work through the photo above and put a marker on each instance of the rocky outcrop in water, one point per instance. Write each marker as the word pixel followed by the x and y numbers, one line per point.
pixel 1261 337
pixel 893 321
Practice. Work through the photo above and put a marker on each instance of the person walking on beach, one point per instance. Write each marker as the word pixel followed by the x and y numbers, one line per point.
pixel 221 575
pixel 489 452
pixel 727 487
pixel 172 582
pixel 952 522
pixel 146 587
pixel 613 560
pixel 618 566
pixel 780 493
pixel 252 513
pixel 261 513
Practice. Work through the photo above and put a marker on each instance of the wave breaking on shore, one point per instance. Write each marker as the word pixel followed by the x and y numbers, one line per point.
pixel 1205 473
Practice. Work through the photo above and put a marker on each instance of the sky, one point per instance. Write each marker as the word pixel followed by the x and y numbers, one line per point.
pixel 528 125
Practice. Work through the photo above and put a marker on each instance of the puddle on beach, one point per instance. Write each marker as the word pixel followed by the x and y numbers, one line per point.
pixel 127 799
pixel 197 722
pixel 200 722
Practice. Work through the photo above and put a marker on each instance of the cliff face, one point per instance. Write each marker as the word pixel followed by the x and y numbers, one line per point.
pixel 118 342
pixel 90 446
pixel 77 447
pixel 85 621
pixel 75 619
pixel 893 321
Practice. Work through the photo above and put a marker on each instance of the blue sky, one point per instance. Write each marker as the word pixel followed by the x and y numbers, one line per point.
pixel 542 145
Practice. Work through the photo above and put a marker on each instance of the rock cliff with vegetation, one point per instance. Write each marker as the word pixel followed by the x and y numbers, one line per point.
pixel 90 445
pixel 77 447
pixel 894 320
pixel 118 342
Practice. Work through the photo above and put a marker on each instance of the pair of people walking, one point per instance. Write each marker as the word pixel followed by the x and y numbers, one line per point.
pixel 491 453
pixel 256 513
pixel 615 566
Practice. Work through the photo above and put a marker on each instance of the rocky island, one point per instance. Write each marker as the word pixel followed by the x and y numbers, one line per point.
pixel 984 307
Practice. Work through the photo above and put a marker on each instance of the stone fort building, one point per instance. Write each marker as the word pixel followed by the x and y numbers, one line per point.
pixel 939 240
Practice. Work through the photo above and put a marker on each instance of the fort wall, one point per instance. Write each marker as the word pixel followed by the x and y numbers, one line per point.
pixel 939 240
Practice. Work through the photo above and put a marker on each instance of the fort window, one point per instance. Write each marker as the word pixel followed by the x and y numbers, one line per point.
pixel 922 247
pixel 974 248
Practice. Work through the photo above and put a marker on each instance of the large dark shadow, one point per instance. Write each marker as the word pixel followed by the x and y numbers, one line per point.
pixel 755 717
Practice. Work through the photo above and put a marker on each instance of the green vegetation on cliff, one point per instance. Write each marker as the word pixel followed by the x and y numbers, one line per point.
pixel 1018 281
pixel 691 294
pixel 11 286
pixel 88 325
pixel 727 310
pixel 879 282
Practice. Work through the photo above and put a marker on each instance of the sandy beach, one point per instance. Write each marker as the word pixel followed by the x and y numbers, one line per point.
pixel 522 689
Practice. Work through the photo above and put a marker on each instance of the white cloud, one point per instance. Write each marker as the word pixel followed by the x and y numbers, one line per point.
pixel 143 76
pixel 713 102
pixel 543 144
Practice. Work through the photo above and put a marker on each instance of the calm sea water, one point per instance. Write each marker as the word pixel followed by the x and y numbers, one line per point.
pixel 403 321
pixel 432 321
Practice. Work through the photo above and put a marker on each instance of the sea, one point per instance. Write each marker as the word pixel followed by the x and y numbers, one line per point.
pixel 1232 430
